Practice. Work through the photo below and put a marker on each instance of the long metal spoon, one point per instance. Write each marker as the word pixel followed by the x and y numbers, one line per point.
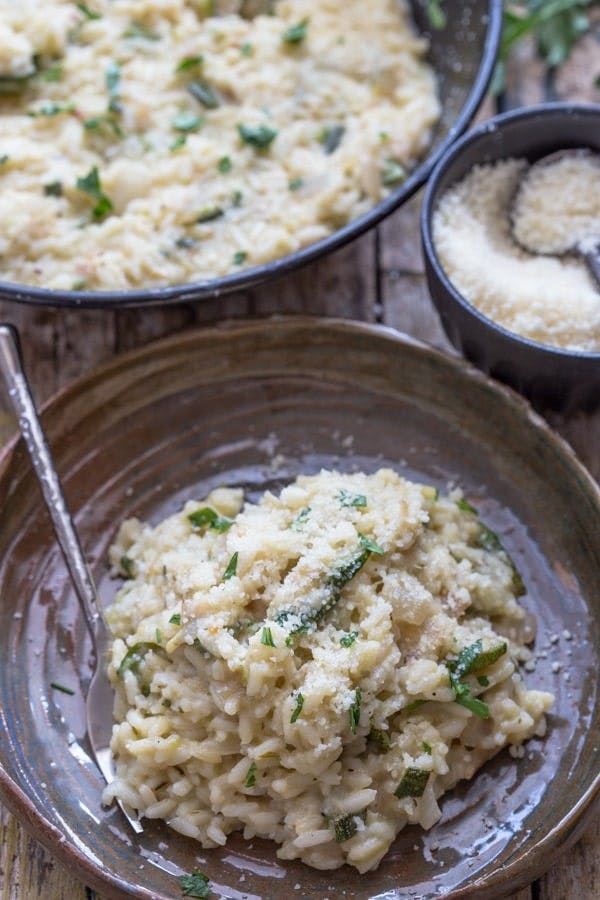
pixel 585 244
pixel 99 700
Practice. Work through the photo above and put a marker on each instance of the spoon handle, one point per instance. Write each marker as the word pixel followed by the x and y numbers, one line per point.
pixel 592 258
pixel 20 396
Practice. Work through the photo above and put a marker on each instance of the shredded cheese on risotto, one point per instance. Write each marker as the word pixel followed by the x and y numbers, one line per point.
pixel 318 668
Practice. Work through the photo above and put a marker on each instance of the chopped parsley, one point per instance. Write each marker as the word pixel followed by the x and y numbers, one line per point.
pixel 204 94
pixel 466 506
pixel 331 138
pixel 246 49
pixel 4 158
pixel 239 257
pixel 348 639
pixel 295 184
pixel 483 680
pixel 427 747
pixel 87 12
pixel 179 142
pixel 231 569
pixel 236 198
pixel 136 31
pixel 260 136
pixel 298 707
pixel 53 189
pixel 158 636
pixel 90 184
pixel 413 783
pixel 225 165
pixel 251 776
pixel 187 121
pixel 267 637
pixel 354 711
pixel 195 885
pixel 295 34
pixel 393 173
pixel 300 519
pixel 79 285
pixel 175 619
pixel 60 687
pixel 189 62
pixel 347 498
pixel 184 242
pixel 103 124
pixel 52 73
pixel 207 517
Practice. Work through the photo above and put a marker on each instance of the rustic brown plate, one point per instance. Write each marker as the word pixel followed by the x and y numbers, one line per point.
pixel 253 405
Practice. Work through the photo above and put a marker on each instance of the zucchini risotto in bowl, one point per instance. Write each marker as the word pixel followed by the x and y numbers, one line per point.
pixel 318 668
pixel 147 143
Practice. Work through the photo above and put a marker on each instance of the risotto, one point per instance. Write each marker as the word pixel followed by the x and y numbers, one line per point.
pixel 318 668
pixel 154 142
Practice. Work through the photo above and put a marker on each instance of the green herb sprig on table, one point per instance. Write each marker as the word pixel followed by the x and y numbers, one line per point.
pixel 555 25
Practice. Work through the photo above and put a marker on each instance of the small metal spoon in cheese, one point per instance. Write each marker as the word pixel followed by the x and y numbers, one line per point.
pixel 556 208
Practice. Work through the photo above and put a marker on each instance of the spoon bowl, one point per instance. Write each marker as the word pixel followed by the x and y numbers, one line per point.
pixel 99 700
pixel 552 215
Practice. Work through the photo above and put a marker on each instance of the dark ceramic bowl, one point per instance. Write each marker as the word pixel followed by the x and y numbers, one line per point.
pixel 462 53
pixel 253 406
pixel 548 376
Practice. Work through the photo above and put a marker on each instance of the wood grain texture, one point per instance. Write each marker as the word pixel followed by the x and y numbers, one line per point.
pixel 378 278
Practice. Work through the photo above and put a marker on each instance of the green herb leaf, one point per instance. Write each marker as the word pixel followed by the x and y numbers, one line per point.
pixel 331 138
pixel 267 637
pixel 239 258
pixel 136 31
pixel 175 619
pixel 295 33
pixel 225 165
pixel 236 198
pixel 260 136
pixel 393 173
pixel 105 124
pixel 344 827
pixel 247 49
pixel 87 12
pixel 483 680
pixel 52 73
pixel 251 776
pixel 62 688
pixel 204 94
pixel 466 506
pixel 472 659
pixel 4 158
pixel 427 748
pixel 207 517
pixel 354 711
pixel 90 184
pixel 347 498
pixel 184 242
pixel 379 739
pixel 179 142
pixel 134 656
pixel 189 62
pixel 127 566
pixel 188 122
pixel 297 708
pixel 300 519
pixel 231 569
pixel 53 189
pixel 413 783
pixel 195 885
pixel 50 109
pixel 113 85
pixel 295 184
pixel 436 15
pixel 209 214
pixel 369 544
pixel 348 639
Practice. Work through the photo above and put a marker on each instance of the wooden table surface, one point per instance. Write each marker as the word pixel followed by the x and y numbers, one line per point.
pixel 379 278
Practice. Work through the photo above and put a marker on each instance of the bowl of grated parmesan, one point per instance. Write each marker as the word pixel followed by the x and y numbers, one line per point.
pixel 529 320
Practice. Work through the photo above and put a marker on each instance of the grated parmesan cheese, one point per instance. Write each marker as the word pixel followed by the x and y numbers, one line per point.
pixel 546 299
